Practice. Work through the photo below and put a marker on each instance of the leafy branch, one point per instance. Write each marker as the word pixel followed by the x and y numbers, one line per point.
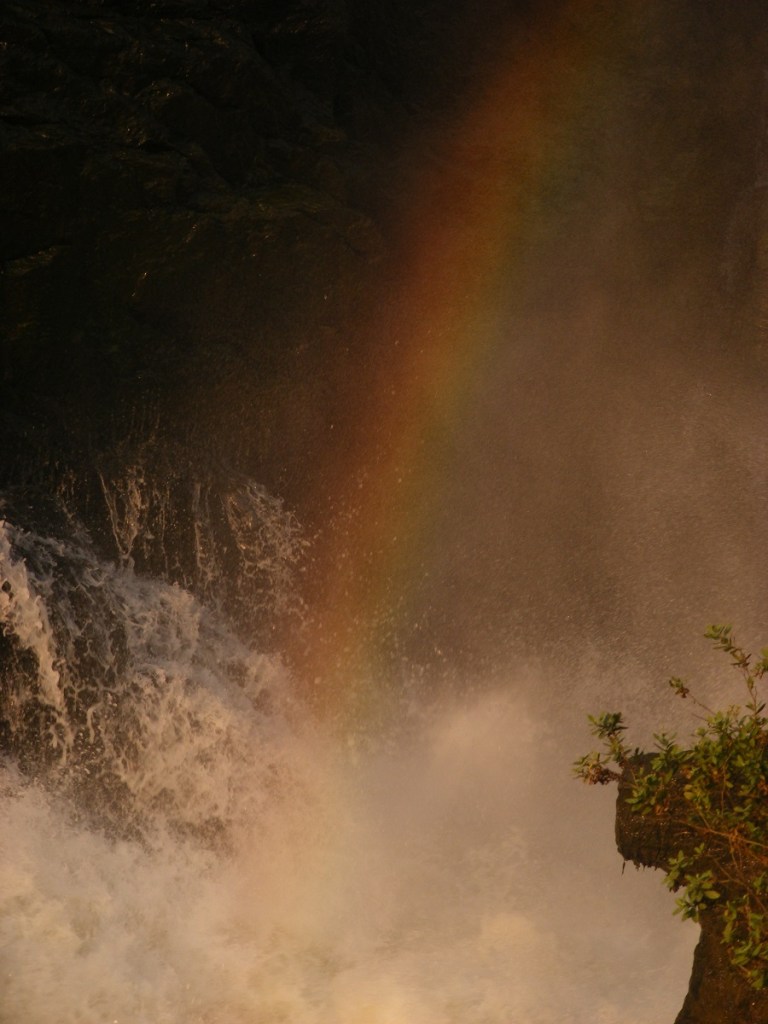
pixel 713 791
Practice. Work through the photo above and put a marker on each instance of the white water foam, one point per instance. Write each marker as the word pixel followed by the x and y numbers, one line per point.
pixel 446 872
pixel 23 614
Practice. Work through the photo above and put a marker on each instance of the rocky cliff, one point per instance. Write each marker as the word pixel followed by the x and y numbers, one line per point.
pixel 181 203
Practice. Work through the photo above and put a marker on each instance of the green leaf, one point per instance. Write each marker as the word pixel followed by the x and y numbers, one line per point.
pixel 715 787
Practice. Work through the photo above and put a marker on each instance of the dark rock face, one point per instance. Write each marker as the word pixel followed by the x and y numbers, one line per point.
pixel 156 170
pixel 717 992
pixel 181 227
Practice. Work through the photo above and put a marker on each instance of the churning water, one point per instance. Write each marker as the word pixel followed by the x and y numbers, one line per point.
pixel 183 842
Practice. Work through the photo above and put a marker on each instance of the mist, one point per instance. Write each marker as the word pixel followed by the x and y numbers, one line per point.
pixel 311 576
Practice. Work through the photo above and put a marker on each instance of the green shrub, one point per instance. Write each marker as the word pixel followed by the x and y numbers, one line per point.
pixel 714 790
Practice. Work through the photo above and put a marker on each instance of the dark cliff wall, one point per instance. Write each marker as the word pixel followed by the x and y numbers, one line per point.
pixel 192 191
pixel 177 205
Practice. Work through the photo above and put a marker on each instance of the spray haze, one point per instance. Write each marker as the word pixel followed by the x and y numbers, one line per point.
pixel 557 429
pixel 258 774
pixel 254 866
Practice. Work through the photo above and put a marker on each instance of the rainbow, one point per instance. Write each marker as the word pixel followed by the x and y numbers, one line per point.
pixel 468 230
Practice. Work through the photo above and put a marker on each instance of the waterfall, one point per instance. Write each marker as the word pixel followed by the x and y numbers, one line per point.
pixel 184 841
pixel 383 392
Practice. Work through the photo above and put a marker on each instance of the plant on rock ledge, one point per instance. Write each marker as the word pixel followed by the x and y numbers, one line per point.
pixel 714 794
